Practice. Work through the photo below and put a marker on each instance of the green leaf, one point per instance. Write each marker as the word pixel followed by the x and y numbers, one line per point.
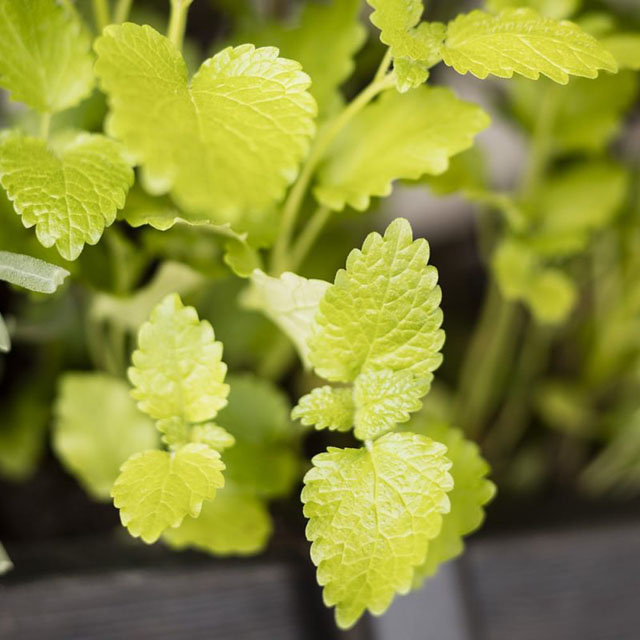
pixel 5 338
pixel 45 57
pixel 471 492
pixel 386 398
pixel 305 39
pixel 521 41
pixel 588 112
pixel 521 275
pixel 401 30
pixel 416 134
pixel 409 74
pixel 97 427
pixel 576 202
pixel 625 48
pixel 235 523
pixel 5 561
pixel 326 408
pixel 178 370
pixel 132 311
pixel 31 273
pixel 290 301
pixel 554 9
pixel 228 141
pixel 382 312
pixel 372 512
pixel 213 436
pixel 157 489
pixel 264 459
pixel 70 191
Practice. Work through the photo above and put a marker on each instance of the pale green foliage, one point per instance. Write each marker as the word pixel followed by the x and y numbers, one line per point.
pixel 131 312
pixel 229 140
pixel 625 48
pixel 382 312
pixel 521 275
pixel 235 523
pixel 290 301
pixel 70 191
pixel 178 370
pixel 45 57
pixel 471 492
pixel 213 436
pixel 5 561
pixel 97 427
pixel 556 9
pixel 415 134
pixel 31 273
pixel 372 512
pixel 589 112
pixel 326 408
pixel 401 30
pixel 264 459
pixel 175 432
pixel 157 489
pixel 575 202
pixel 521 41
pixel 305 40
pixel 386 398
pixel 409 74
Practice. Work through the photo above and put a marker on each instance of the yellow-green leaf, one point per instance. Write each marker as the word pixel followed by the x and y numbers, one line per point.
pixel 326 407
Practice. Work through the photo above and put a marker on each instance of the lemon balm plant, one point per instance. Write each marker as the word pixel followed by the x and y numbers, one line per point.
pixel 130 142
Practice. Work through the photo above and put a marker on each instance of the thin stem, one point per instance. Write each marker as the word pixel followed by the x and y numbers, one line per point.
pixel 482 374
pixel 123 8
pixel 384 66
pixel 325 138
pixel 308 237
pixel 101 14
pixel 45 125
pixel 178 21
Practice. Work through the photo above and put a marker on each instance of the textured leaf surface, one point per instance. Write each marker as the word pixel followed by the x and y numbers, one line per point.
pixel 290 301
pixel 400 29
pixel 97 427
pixel 416 134
pixel 471 492
pixel 45 57
pixel 625 48
pixel 235 523
pixel 31 273
pixel 157 489
pixel 383 311
pixel 178 370
pixel 555 9
pixel 384 399
pixel 371 515
pixel 70 192
pixel 264 459
pixel 326 408
pixel 305 39
pixel 521 41
pixel 213 436
pixel 231 139
pixel 521 275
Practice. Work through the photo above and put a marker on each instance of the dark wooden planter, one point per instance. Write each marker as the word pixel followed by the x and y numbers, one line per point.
pixel 573 584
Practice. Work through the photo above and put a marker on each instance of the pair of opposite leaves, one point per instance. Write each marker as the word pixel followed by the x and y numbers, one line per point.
pixel 232 140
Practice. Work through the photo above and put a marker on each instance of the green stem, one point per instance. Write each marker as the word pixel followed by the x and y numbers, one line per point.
pixel 308 237
pixel 541 144
pixel 325 138
pixel 384 66
pixel 511 423
pixel 101 14
pixel 178 21
pixel 123 8
pixel 482 373
pixel 45 125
